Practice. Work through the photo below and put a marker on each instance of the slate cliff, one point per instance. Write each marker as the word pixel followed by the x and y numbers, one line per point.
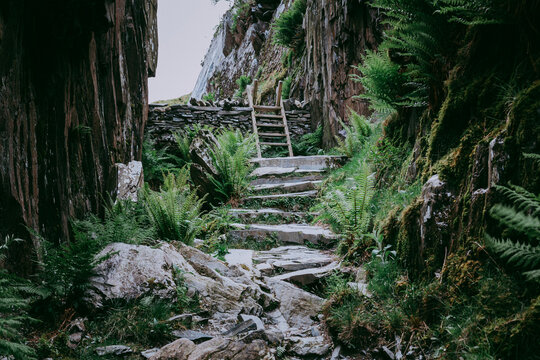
pixel 74 101
pixel 336 33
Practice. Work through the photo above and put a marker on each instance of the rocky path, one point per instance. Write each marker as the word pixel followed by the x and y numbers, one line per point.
pixel 255 304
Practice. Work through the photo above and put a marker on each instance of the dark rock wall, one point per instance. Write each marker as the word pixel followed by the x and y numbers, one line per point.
pixel 338 32
pixel 73 102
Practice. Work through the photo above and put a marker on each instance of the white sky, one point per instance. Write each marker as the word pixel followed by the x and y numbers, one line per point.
pixel 186 28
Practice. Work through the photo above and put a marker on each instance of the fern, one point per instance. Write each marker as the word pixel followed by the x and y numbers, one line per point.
pixel 242 82
pixel 230 156
pixel 346 209
pixel 356 134
pixel 522 217
pixel 475 12
pixel 288 27
pixel 183 141
pixel 14 305
pixel 175 210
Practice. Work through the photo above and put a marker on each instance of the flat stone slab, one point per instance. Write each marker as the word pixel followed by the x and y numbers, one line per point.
pixel 316 162
pixel 290 233
pixel 311 193
pixel 288 179
pixel 308 276
pixel 296 186
pixel 274 171
pixel 293 258
pixel 191 335
pixel 262 214
pixel 240 257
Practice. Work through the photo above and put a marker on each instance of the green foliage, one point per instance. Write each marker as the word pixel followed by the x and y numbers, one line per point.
pixel 288 27
pixel 383 82
pixel 286 90
pixel 521 218
pixel 346 208
pixel 230 156
pixel 241 10
pixel 125 221
pixel 175 210
pixel 15 296
pixel 184 302
pixel 309 144
pixel 156 162
pixel 211 97
pixel 475 12
pixel 356 134
pixel 242 82
pixel 183 140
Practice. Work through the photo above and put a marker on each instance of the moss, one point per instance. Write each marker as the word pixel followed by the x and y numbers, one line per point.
pixel 408 238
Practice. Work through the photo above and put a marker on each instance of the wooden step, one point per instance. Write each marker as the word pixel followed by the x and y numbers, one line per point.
pixel 272 134
pixel 273 144
pixel 270 125
pixel 267 108
pixel 269 116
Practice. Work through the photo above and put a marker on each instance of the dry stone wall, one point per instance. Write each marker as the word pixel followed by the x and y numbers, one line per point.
pixel 164 121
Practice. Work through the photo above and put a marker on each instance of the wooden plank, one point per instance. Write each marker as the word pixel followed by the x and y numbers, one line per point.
pixel 266 108
pixel 286 127
pixel 255 90
pixel 270 125
pixel 254 119
pixel 278 93
pixel 272 134
pixel 274 144
pixel 268 116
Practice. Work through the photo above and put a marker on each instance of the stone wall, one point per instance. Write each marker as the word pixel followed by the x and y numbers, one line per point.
pixel 164 121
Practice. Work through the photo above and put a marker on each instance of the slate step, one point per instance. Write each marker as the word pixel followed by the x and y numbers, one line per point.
pixel 303 194
pixel 289 233
pixel 286 179
pixel 308 276
pixel 290 187
pixel 267 171
pixel 316 162
pixel 290 258
pixel 269 215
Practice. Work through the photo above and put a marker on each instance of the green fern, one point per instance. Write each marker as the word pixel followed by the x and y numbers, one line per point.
pixel 175 210
pixel 475 12
pixel 288 27
pixel 346 208
pixel 521 217
pixel 356 134
pixel 242 82
pixel 14 304
pixel 230 156
pixel 183 141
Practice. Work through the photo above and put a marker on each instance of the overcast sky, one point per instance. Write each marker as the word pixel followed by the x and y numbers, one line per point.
pixel 186 28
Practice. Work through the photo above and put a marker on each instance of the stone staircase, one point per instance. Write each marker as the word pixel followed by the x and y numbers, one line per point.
pixel 291 183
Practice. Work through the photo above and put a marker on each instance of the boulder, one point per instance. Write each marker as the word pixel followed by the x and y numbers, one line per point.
pixel 129 178
pixel 215 349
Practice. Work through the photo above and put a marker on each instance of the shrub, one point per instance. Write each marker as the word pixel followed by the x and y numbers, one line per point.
pixel 356 134
pixel 522 220
pixel 242 82
pixel 286 90
pixel 211 97
pixel 175 210
pixel 183 140
pixel 230 156
pixel 346 208
pixel 156 162
pixel 14 305
pixel 288 27
pixel 383 83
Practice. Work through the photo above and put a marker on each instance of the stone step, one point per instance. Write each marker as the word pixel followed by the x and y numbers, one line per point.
pixel 293 186
pixel 269 215
pixel 287 179
pixel 303 194
pixel 289 233
pixel 316 162
pixel 267 171
pixel 308 276
pixel 290 258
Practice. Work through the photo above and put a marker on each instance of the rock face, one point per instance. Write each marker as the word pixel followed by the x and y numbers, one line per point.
pixel 73 102
pixel 337 33
pixel 129 180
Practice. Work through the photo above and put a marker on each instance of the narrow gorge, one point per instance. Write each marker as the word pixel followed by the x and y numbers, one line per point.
pixel 348 179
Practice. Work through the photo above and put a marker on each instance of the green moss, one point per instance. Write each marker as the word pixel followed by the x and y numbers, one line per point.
pixel 408 238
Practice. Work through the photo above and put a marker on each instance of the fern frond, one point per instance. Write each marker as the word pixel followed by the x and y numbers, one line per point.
pixel 523 256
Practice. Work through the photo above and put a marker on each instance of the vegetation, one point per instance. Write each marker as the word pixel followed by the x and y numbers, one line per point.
pixel 356 134
pixel 240 11
pixel 242 82
pixel 175 211
pixel 288 30
pixel 210 97
pixel 522 221
pixel 230 156
pixel 286 90
pixel 14 306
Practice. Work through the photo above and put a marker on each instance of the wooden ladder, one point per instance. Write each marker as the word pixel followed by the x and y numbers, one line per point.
pixel 271 120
